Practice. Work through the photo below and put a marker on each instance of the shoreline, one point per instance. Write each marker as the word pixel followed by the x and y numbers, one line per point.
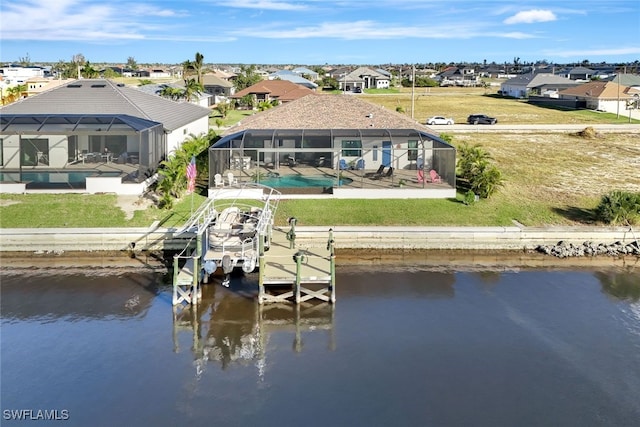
pixel 100 263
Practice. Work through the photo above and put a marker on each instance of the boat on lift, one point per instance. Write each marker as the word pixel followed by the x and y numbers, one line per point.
pixel 231 224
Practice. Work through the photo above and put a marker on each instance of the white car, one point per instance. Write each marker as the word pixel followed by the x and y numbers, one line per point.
pixel 439 120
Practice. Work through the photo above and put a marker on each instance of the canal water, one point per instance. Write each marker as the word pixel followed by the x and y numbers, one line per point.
pixel 403 346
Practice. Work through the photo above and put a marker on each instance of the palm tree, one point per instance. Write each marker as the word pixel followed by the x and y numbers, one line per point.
pixel 197 65
pixel 172 93
pixel 191 88
pixel 15 93
pixel 88 72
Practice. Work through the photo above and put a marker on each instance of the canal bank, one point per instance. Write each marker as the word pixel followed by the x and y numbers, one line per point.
pixel 153 239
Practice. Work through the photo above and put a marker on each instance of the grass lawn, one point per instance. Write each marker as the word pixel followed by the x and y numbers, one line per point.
pixel 550 178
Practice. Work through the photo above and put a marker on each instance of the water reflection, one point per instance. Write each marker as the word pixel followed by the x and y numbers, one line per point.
pixel 622 284
pixel 77 297
pixel 230 327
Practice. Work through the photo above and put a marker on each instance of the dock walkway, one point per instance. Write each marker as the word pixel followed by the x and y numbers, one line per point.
pixel 287 267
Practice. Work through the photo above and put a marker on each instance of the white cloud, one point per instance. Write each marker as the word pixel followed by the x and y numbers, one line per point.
pixel 263 4
pixel 82 20
pixel 363 30
pixel 531 16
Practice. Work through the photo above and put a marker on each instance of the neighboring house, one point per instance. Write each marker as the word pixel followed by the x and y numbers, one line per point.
pixel 454 76
pixel 293 78
pixel 218 87
pixel 61 129
pixel 535 84
pixel 307 73
pixel 38 85
pixel 270 90
pixel 16 74
pixel 363 78
pixel 579 73
pixel 602 96
pixel 156 73
pixel 337 136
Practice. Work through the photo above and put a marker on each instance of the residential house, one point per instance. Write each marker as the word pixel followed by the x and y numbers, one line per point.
pixel 583 74
pixel 270 90
pixel 17 74
pixel 541 84
pixel 94 125
pixel 363 78
pixel 307 73
pixel 219 88
pixel 601 96
pixel 156 73
pixel 293 78
pixel 363 150
pixel 454 76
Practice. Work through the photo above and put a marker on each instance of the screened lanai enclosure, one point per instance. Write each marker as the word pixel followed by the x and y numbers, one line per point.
pixel 410 162
pixel 62 151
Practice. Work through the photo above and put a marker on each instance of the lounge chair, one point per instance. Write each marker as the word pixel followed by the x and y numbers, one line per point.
pixel 217 178
pixel 377 174
pixel 231 178
pixel 434 176
pixel 389 172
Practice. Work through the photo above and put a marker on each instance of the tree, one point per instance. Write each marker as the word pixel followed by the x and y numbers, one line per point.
pixel 191 88
pixel 247 77
pixel 187 69
pixel 477 171
pixel 131 63
pixel 110 73
pixel 171 92
pixel 25 61
pixel 223 108
pixel 88 72
pixel 197 65
pixel 14 93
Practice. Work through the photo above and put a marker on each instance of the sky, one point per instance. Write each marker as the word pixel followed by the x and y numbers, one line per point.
pixel 318 32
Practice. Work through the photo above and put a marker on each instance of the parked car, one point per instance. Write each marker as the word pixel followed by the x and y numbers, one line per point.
pixel 357 89
pixel 439 120
pixel 481 119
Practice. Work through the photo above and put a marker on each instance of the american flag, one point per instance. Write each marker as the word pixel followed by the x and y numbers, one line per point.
pixel 191 175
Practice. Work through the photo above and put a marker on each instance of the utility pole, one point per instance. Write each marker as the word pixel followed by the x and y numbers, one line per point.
pixel 413 88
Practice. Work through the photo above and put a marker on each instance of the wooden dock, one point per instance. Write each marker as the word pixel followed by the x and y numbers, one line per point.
pixel 286 267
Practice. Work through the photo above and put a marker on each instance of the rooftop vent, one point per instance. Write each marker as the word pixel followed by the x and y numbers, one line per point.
pixel 98 85
pixel 75 85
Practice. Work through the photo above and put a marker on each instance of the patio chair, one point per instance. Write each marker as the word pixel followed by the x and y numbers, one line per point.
pixel 217 178
pixel 434 176
pixel 420 176
pixel 343 165
pixel 360 164
pixel 389 172
pixel 232 179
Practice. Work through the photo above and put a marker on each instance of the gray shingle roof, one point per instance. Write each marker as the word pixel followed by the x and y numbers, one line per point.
pixel 328 112
pixel 102 96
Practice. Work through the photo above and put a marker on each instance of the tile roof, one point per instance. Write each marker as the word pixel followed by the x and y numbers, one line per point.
pixel 102 96
pixel 214 80
pixel 328 112
pixel 598 89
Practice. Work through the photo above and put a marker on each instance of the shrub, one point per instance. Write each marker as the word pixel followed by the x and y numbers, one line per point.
pixel 619 208
pixel 476 170
pixel 469 198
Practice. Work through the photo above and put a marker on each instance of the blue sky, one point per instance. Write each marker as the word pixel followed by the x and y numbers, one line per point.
pixel 315 32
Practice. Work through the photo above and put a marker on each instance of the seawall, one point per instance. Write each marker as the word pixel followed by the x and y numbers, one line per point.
pixel 51 240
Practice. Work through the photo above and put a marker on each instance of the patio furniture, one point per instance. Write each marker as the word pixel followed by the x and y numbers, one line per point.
pixel 434 176
pixel 420 175
pixel 343 165
pixel 218 180
pixel 232 179
pixel 360 164
pixel 377 174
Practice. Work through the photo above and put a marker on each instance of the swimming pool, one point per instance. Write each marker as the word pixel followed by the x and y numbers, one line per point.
pixel 301 181
pixel 75 178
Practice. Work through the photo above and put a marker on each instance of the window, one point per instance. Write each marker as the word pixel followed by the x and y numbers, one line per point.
pixel 34 152
pixel 413 151
pixel 351 148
